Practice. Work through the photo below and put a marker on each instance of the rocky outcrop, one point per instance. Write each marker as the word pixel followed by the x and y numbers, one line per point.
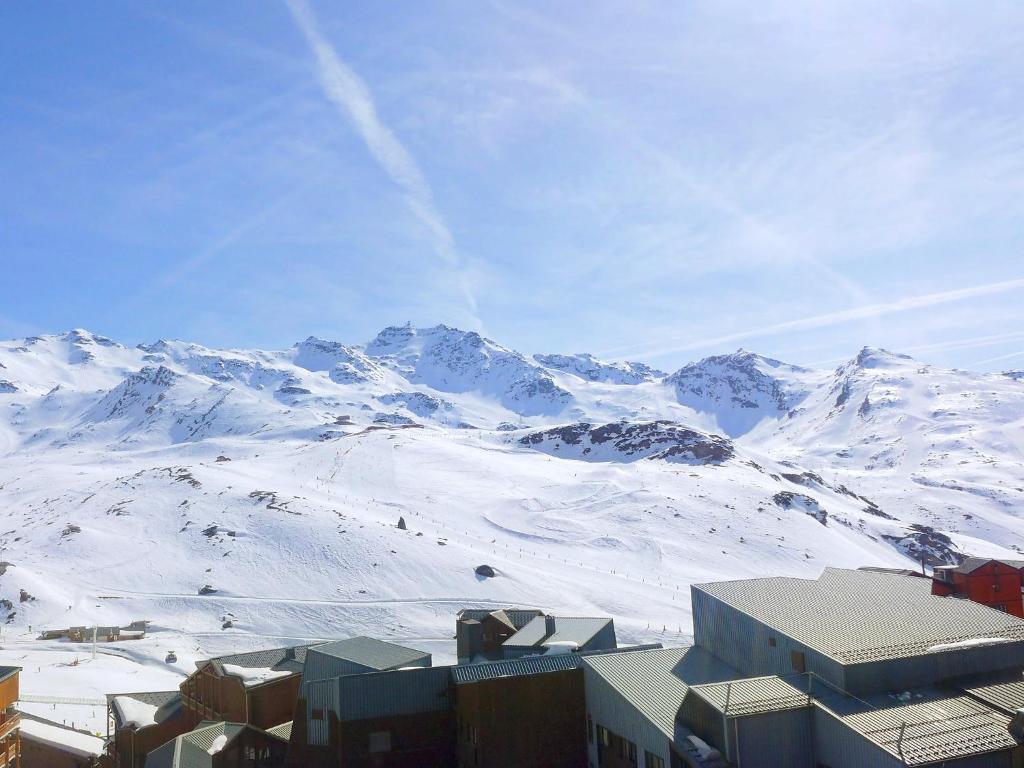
pixel 631 441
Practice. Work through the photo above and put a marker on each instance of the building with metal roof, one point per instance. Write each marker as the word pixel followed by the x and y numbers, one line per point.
pixel 575 632
pixel 355 655
pixel 139 722
pixel 220 745
pixel 480 633
pixel 861 631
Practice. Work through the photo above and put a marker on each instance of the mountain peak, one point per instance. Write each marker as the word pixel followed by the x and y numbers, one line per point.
pixel 877 357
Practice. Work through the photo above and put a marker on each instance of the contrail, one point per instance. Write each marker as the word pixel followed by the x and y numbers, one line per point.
pixel 350 96
pixel 866 312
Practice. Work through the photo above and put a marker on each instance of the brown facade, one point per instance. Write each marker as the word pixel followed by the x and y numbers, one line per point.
pixel 35 754
pixel 11 748
pixel 130 745
pixel 422 740
pixel 534 721
pixel 253 748
pixel 208 695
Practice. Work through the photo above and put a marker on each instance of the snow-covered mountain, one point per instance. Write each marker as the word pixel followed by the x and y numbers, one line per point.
pixel 131 477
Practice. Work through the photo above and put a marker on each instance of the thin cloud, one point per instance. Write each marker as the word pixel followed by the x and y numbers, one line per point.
pixel 353 100
pixel 866 312
pixel 1000 358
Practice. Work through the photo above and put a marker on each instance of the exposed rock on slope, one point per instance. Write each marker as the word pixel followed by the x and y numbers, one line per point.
pixel 588 367
pixel 623 441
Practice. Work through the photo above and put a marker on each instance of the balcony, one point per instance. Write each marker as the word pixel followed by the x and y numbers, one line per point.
pixel 9 719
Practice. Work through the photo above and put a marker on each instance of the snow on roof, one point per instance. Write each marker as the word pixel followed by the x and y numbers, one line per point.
pixel 252 676
pixel 218 744
pixel 134 712
pixel 969 643
pixel 64 739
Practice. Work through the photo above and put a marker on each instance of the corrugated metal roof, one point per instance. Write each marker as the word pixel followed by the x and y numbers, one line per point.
pixel 573 629
pixel 289 658
pixel 192 749
pixel 1006 693
pixel 935 730
pixel 752 696
pixel 859 616
pixel 371 653
pixel 282 731
pixel 528 665
pixel 519 617
pixel 655 682
pixel 391 693
pixel 6 672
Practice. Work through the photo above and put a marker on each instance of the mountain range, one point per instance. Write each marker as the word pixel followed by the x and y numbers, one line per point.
pixel 133 478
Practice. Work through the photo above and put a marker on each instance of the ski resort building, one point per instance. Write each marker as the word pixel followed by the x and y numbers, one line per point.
pixel 138 723
pixel 479 634
pixel 566 632
pixel 258 688
pixel 222 745
pixel 10 740
pixel 46 744
pixel 854 669
pixel 995 583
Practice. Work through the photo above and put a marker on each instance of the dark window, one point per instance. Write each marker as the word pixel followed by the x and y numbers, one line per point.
pixel 799 663
pixel 653 761
pixel 631 753
pixel 318 714
pixel 771 642
pixel 380 741
pixel 590 729
pixel 603 736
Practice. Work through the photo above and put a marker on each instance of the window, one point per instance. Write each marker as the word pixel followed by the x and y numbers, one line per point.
pixel 771 642
pixel 631 756
pixel 799 663
pixel 380 741
pixel 604 738
pixel 318 714
pixel 590 729
pixel 653 761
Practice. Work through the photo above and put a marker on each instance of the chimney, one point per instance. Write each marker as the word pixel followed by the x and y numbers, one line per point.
pixel 549 626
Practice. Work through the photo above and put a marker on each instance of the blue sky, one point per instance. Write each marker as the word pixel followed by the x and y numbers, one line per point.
pixel 655 181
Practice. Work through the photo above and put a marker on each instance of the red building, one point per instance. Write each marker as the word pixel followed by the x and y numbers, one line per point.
pixel 995 583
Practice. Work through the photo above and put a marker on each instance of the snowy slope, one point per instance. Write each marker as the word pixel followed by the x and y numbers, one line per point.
pixel 131 478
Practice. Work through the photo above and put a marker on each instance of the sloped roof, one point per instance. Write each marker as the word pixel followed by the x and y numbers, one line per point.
pixel 936 729
pixel 572 629
pixel 192 749
pixel 372 653
pixel 859 616
pixel 167 703
pixel 290 658
pixel 971 564
pixel 655 681
pixel 528 665
pixel 517 617
pixel 6 672
pixel 752 696
pixel 1005 691
pixel 282 731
